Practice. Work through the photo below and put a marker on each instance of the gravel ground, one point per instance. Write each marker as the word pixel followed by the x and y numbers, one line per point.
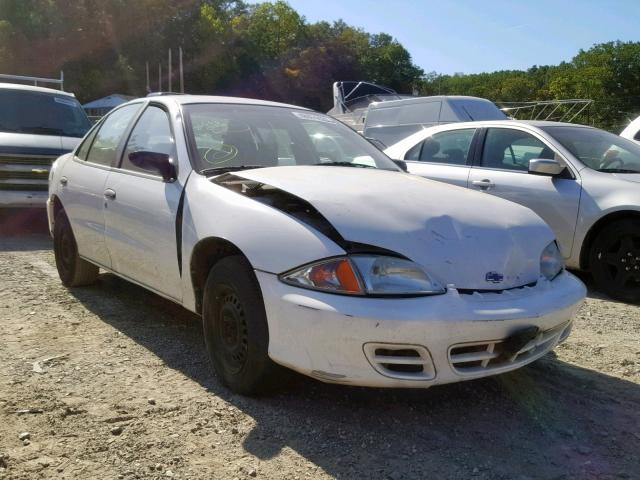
pixel 113 382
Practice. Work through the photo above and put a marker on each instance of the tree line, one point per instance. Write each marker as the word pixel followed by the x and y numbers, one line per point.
pixel 270 51
pixel 265 50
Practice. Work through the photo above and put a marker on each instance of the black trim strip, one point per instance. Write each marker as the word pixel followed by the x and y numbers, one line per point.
pixel 179 216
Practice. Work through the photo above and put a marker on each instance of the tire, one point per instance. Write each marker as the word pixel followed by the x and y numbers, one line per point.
pixel 615 260
pixel 236 331
pixel 73 270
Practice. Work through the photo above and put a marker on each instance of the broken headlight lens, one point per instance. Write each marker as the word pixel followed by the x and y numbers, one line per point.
pixel 551 261
pixel 365 274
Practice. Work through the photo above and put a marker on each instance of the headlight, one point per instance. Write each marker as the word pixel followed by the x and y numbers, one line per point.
pixel 365 275
pixel 551 261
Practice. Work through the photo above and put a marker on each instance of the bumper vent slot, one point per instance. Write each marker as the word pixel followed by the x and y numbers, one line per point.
pixel 405 362
pixel 480 357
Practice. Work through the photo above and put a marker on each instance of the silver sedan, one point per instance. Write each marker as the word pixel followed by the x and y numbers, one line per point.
pixel 582 181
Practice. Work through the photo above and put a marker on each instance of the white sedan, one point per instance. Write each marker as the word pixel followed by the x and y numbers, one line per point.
pixel 582 181
pixel 329 261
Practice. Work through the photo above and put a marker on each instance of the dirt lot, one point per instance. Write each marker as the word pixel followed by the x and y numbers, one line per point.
pixel 113 382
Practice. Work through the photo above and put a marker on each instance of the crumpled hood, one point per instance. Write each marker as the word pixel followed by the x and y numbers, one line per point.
pixel 461 237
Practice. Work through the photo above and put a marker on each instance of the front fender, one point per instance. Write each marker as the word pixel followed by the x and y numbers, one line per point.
pixel 271 240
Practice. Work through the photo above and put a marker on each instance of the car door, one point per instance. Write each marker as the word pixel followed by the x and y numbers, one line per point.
pixel 444 156
pixel 83 181
pixel 503 170
pixel 140 218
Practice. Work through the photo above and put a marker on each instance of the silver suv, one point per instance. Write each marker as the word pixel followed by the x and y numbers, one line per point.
pixel 37 125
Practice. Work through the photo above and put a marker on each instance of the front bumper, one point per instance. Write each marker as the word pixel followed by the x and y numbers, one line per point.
pixel 449 338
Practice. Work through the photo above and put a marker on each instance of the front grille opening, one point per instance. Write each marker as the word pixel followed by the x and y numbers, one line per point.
pixel 473 364
pixel 492 354
pixel 404 352
pixel 471 348
pixel 398 367
pixel 405 362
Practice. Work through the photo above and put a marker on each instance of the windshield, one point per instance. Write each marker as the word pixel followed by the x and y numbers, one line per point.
pixel 23 111
pixel 599 150
pixel 231 137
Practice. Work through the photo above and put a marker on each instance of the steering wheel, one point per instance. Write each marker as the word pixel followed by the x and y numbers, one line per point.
pixel 610 158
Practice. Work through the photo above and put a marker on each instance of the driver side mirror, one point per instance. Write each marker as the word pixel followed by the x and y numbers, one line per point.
pixel 545 166
pixel 155 162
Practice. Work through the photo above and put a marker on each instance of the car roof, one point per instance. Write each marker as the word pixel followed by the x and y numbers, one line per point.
pixel 32 88
pixel 508 123
pixel 425 132
pixel 192 99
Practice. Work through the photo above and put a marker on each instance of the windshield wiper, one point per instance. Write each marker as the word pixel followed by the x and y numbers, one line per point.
pixel 234 168
pixel 617 170
pixel 343 164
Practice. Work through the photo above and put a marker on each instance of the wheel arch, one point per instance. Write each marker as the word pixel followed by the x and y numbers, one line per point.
pixel 57 205
pixel 205 254
pixel 54 206
pixel 600 225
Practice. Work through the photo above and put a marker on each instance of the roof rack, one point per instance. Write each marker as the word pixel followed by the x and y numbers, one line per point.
pixel 35 80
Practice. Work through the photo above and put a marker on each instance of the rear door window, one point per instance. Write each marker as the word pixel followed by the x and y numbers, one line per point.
pixel 104 147
pixel 83 150
pixel 451 148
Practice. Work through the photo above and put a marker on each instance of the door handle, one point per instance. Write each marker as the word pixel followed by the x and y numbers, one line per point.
pixel 63 181
pixel 484 184
pixel 109 193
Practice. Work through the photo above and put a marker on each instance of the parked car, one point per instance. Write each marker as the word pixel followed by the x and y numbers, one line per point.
pixel 37 125
pixel 381 114
pixel 582 181
pixel 335 264
pixel 632 131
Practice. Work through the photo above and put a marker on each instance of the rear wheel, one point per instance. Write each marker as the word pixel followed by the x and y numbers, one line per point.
pixel 615 260
pixel 73 270
pixel 235 328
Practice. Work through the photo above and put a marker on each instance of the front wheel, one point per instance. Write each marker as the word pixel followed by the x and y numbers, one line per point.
pixel 615 260
pixel 73 270
pixel 235 328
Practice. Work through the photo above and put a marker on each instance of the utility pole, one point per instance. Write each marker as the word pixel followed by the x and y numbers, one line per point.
pixel 147 69
pixel 160 77
pixel 169 72
pixel 181 71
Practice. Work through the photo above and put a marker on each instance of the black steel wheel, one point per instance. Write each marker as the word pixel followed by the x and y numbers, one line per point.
pixel 73 270
pixel 231 329
pixel 236 330
pixel 615 260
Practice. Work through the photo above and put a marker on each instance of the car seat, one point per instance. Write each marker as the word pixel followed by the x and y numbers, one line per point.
pixel 249 151
pixel 430 148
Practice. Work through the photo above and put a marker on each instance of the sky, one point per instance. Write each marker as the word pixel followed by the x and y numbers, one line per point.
pixel 449 36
